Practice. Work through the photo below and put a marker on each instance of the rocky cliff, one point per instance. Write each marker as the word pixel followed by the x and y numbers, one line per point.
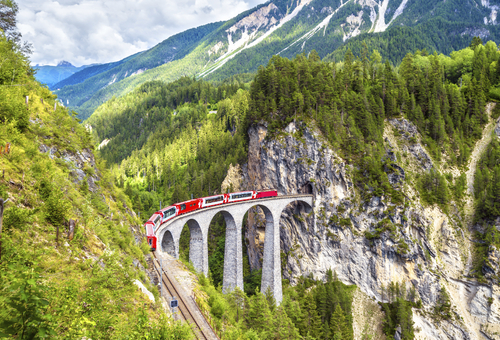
pixel 370 243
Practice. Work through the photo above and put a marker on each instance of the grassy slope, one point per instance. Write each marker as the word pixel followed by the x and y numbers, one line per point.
pixel 71 288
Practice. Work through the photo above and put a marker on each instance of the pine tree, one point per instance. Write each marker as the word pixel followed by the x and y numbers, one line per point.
pixel 310 318
pixel 259 314
pixel 338 324
pixel 282 327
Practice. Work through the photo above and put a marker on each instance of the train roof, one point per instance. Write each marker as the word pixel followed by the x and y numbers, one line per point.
pixel 189 201
pixel 153 216
pixel 166 208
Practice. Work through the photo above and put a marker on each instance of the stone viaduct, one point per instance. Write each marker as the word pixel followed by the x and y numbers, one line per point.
pixel 169 233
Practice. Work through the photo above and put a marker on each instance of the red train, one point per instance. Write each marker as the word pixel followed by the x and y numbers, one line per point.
pixel 177 209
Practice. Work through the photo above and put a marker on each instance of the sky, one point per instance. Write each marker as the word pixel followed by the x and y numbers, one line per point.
pixel 86 32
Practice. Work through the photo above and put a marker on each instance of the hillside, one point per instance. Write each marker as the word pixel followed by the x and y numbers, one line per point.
pixel 73 262
pixel 88 72
pixel 385 152
pixel 288 28
pixel 79 88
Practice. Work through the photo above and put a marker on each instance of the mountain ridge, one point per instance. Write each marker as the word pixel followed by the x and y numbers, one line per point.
pixel 289 28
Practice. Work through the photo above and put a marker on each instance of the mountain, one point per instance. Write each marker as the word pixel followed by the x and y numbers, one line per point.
pixel 89 71
pixel 50 75
pixel 79 88
pixel 287 27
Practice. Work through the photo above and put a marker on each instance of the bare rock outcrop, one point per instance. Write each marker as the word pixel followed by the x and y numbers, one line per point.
pixel 368 243
pixel 81 164
pixel 409 132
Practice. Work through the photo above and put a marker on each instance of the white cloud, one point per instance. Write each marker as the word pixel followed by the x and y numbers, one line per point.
pixel 87 31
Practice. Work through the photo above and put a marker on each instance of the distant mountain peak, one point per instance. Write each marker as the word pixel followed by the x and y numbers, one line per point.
pixel 65 63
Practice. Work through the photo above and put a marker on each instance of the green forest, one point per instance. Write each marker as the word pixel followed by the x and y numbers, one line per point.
pixel 349 101
pixel 312 309
pixel 442 26
pixel 444 96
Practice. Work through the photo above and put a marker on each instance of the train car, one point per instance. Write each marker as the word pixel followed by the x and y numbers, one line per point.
pixel 150 235
pixel 265 194
pixel 241 196
pixel 188 206
pixel 211 201
pixel 168 213
pixel 151 225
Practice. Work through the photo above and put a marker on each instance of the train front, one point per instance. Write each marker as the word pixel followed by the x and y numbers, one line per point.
pixel 151 225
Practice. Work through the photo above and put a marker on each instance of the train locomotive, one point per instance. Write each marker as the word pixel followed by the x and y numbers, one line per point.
pixel 178 209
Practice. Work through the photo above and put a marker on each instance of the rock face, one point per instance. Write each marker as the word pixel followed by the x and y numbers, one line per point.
pixel 409 132
pixel 368 243
pixel 81 164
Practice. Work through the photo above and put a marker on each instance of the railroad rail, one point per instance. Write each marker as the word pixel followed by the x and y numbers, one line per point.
pixel 184 308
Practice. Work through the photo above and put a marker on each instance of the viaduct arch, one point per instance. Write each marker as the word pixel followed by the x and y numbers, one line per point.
pixel 169 233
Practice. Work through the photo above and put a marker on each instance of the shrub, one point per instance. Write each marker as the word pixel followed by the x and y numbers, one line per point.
pixel 15 217
pixel 56 207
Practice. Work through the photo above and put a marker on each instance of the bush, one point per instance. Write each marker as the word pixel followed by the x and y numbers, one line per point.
pixel 13 111
pixel 434 189
pixel 15 217
pixel 56 207
pixel 398 313
pixel 494 94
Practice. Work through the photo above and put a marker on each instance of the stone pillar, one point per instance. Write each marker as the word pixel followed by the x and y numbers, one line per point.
pixel 196 245
pixel 168 244
pixel 271 266
pixel 233 259
pixel 205 253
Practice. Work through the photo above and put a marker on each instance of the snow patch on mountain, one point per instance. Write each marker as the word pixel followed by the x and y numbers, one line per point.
pixel 112 80
pixel 215 48
pixel 250 26
pixel 380 25
pixel 492 19
pixel 260 18
pixel 352 25
pixel 322 25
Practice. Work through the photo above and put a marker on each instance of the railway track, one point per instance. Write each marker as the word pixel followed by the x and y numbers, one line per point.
pixel 184 308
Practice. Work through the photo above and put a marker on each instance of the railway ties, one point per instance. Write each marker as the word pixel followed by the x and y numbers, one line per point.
pixel 187 311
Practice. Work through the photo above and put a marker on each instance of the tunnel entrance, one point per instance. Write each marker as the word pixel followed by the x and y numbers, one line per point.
pixel 307 189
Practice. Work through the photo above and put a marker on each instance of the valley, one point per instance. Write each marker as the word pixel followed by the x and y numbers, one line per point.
pixel 377 122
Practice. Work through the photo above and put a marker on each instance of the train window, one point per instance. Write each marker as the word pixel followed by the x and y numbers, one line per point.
pixel 157 219
pixel 238 196
pixel 183 207
pixel 168 213
pixel 214 199
pixel 150 242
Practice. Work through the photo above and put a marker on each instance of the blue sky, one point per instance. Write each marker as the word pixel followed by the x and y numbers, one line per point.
pixel 85 32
